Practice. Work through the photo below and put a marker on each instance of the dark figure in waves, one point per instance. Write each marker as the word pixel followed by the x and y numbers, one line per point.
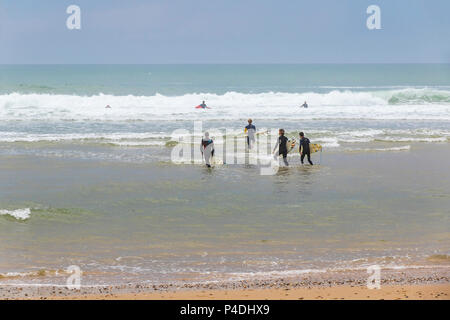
pixel 202 106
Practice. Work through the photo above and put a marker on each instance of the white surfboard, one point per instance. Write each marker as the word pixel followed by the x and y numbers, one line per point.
pixel 290 145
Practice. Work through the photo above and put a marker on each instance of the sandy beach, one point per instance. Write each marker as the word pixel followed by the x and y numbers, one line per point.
pixel 391 292
pixel 396 284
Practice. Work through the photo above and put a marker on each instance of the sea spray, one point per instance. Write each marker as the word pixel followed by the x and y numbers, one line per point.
pixel 19 214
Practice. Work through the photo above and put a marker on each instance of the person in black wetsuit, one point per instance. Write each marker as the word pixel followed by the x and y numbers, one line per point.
pixel 304 148
pixel 282 146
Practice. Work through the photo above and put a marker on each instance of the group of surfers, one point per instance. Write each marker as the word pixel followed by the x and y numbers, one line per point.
pixel 207 145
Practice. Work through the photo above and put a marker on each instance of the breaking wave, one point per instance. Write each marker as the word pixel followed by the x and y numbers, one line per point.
pixel 19 214
pixel 328 138
pixel 412 103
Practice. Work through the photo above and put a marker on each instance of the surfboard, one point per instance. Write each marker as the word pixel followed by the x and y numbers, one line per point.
pixel 290 144
pixel 315 147
pixel 257 133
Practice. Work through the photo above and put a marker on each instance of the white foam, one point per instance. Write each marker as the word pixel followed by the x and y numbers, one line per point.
pixel 118 136
pixel 401 148
pixel 410 104
pixel 16 274
pixel 299 272
pixel 413 139
pixel 19 214
pixel 156 138
pixel 275 274
pixel 138 143
pixel 327 142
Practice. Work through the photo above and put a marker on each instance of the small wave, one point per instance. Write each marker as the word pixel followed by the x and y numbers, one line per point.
pixel 300 272
pixel 106 137
pixel 33 274
pixel 13 275
pixel 137 143
pixel 19 214
pixel 274 274
pixel 327 142
pixel 411 139
pixel 419 96
pixel 402 148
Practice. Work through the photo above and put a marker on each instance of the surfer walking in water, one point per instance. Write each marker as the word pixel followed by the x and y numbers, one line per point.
pixel 282 146
pixel 305 105
pixel 207 149
pixel 250 129
pixel 304 148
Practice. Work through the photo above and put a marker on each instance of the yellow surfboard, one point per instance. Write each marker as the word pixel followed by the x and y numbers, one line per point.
pixel 315 147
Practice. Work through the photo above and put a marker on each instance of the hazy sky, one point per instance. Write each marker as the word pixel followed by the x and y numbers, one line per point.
pixel 224 31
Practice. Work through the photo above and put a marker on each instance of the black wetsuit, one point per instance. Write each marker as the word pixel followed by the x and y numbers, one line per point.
pixel 304 149
pixel 282 148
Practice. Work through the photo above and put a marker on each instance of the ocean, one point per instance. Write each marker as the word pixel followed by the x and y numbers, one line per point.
pixel 96 187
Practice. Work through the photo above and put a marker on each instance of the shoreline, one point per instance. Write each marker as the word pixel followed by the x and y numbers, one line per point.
pixel 411 283
pixel 390 292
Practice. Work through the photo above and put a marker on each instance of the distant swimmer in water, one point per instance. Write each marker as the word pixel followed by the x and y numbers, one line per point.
pixel 304 148
pixel 207 149
pixel 251 131
pixel 282 146
pixel 305 105
pixel 202 106
pixel 108 107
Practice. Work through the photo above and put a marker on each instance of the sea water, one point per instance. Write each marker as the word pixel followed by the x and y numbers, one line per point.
pixel 81 184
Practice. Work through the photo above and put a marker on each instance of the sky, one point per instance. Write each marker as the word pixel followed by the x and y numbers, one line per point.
pixel 224 31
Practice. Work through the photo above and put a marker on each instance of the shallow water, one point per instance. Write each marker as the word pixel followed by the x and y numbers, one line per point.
pixel 161 222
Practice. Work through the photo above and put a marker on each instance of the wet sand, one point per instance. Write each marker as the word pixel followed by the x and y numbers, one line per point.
pixel 391 292
pixel 415 283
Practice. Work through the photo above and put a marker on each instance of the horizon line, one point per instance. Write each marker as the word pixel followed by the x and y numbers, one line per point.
pixel 226 63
